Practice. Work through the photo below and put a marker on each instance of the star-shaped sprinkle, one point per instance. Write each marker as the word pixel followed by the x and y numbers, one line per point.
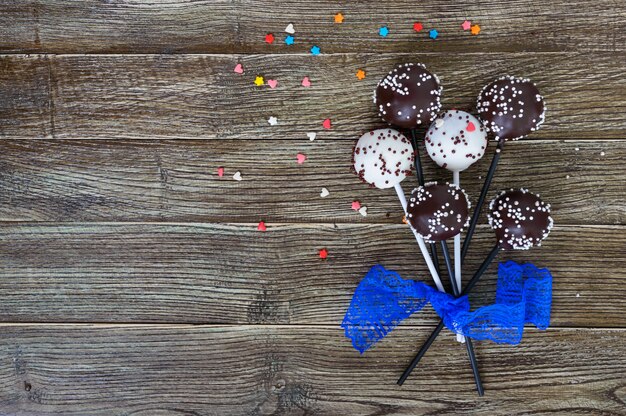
pixel 289 40
pixel 433 33
pixel 356 205
pixel 272 120
pixel 269 38
pixel 300 157
pixel 323 254
pixel 315 50
pixel 258 81
pixel 475 30
pixel 466 25
pixel 261 226
pixel 360 74
pixel 383 31
pixel 339 18
pixel 417 26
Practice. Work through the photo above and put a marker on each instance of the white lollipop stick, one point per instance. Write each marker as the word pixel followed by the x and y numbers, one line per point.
pixel 420 242
pixel 457 250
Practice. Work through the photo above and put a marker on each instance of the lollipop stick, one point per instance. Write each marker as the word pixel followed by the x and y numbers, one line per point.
pixel 457 240
pixel 481 198
pixel 492 255
pixel 468 341
pixel 420 242
pixel 420 179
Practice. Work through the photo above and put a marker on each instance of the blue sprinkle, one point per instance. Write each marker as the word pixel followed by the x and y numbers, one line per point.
pixel 288 40
pixel 383 31
pixel 315 50
pixel 433 34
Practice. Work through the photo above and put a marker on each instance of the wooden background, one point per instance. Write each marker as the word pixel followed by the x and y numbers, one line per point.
pixel 133 280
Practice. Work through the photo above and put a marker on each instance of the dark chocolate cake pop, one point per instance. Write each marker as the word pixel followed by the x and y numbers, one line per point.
pixel 408 96
pixel 438 212
pixel 520 219
pixel 511 107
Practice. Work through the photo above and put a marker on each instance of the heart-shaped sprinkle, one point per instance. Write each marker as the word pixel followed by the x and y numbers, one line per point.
pixel 306 82
pixel 220 171
pixel 439 122
pixel 272 83
pixel 324 193
pixel 311 136
pixel 356 205
pixel 289 29
pixel 237 176
pixel 326 123
pixel 301 158
pixel 363 211
pixel 470 127
pixel 238 69
pixel 261 226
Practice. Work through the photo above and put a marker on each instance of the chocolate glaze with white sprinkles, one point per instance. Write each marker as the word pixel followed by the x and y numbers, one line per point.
pixel 409 96
pixel 383 158
pixel 438 212
pixel 520 219
pixel 511 108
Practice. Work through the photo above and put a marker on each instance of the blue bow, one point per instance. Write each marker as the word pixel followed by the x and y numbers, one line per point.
pixel 383 299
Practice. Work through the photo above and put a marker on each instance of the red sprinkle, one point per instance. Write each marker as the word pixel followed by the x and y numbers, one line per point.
pixel 261 226
pixel 323 254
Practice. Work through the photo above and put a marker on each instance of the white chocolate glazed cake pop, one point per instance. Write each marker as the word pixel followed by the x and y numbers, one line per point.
pixel 383 158
pixel 455 140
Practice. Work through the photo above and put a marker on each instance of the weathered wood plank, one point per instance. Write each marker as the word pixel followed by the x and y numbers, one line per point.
pixel 129 180
pixel 175 26
pixel 207 273
pixel 102 370
pixel 201 97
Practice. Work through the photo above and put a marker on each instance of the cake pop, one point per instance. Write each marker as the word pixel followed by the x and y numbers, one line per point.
pixel 408 96
pixel 438 212
pixel 521 220
pixel 456 140
pixel 383 158
pixel 510 108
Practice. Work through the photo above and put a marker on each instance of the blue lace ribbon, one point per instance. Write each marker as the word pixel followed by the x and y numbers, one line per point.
pixel 383 299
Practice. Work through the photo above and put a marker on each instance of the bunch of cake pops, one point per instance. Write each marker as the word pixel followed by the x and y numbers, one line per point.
pixel 509 108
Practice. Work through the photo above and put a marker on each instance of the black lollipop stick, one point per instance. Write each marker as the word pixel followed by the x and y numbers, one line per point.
pixel 420 179
pixel 468 342
pixel 483 267
pixel 481 199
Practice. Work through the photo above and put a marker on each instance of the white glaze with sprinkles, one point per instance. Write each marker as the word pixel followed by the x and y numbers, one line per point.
pixel 383 158
pixel 455 140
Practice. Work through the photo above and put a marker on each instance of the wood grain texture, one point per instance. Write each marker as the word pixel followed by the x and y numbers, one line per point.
pixel 183 26
pixel 78 370
pixel 159 96
pixel 220 273
pixel 128 180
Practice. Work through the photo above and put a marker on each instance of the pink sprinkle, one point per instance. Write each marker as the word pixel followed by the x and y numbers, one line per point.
pixel 239 69
pixel 306 82
pixel 470 127
pixel 301 158
pixel 326 124
pixel 261 226
pixel 466 25
pixel 356 205
pixel 272 83
pixel 220 171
